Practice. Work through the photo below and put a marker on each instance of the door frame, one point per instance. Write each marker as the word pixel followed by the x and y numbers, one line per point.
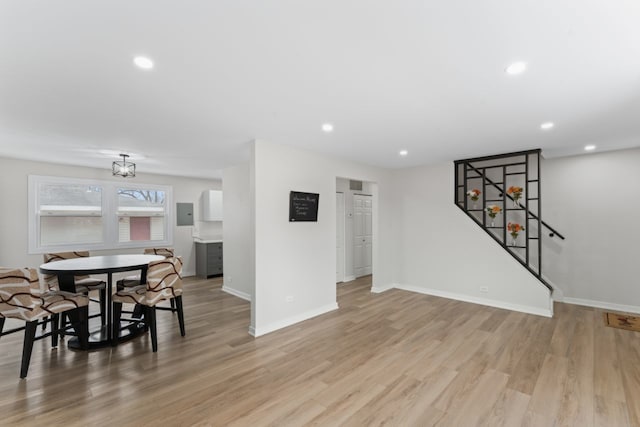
pixel 343 236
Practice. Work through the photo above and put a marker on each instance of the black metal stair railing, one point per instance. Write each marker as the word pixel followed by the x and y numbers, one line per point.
pixel 552 231
pixel 493 175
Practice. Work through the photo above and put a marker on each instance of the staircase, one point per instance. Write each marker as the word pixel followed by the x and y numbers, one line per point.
pixel 507 187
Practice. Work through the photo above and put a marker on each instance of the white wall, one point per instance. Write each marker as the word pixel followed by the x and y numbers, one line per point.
pixel 298 260
pixel 594 201
pixel 239 272
pixel 14 212
pixel 342 185
pixel 441 251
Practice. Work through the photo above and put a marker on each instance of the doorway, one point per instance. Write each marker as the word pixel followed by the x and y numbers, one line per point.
pixel 355 220
pixel 362 234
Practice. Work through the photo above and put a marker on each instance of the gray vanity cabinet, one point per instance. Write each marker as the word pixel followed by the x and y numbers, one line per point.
pixel 208 259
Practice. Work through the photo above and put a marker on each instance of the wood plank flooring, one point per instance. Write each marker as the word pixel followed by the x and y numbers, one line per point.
pixel 396 358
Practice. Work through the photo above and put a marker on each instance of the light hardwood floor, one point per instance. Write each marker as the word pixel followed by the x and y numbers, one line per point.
pixel 397 358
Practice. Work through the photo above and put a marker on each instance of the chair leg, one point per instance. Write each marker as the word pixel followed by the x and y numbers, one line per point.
pixel 44 322
pixel 117 314
pixel 178 301
pixel 55 319
pixel 1 325
pixel 138 311
pixel 62 322
pixel 103 307
pixel 173 304
pixel 27 347
pixel 150 319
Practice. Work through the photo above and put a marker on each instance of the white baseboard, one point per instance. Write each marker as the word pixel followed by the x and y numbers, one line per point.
pixel 348 278
pixel 186 273
pixel 482 301
pixel 380 289
pixel 604 305
pixel 245 296
pixel 274 326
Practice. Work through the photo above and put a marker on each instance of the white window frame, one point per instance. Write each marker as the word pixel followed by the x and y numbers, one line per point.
pixel 109 215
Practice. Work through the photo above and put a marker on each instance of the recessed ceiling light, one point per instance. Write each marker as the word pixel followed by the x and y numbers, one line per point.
pixel 516 68
pixel 403 152
pixel 327 127
pixel 547 125
pixel 589 147
pixel 143 62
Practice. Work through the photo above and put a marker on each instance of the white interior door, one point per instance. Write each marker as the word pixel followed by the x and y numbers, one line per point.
pixel 362 233
pixel 340 237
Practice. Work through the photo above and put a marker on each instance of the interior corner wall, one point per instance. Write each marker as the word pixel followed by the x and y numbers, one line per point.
pixel 295 262
pixel 238 272
pixel 14 220
pixel 441 251
pixel 593 201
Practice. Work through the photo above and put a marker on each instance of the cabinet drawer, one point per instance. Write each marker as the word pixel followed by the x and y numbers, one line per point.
pixel 215 248
pixel 214 262
pixel 214 270
pixel 214 257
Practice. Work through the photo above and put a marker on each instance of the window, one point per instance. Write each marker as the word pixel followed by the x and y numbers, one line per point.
pixel 141 215
pixel 70 213
pixel 67 214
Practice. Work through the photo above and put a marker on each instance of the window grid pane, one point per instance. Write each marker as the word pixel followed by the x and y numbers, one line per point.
pixel 58 230
pixel 140 215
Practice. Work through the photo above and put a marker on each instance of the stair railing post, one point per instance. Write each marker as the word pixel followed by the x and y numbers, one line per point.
pixel 526 209
pixel 464 189
pixel 504 206
pixel 539 218
pixel 456 183
pixel 484 196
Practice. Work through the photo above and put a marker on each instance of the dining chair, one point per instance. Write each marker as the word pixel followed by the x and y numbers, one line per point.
pixel 22 297
pixel 164 281
pixel 84 284
pixel 134 279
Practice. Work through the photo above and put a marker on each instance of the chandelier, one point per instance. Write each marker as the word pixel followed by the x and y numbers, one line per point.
pixel 124 168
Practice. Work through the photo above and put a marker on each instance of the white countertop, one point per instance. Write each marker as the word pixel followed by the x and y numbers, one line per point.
pixel 199 240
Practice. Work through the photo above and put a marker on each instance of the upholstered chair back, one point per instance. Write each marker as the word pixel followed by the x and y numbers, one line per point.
pixel 20 293
pixel 165 252
pixel 51 280
pixel 164 280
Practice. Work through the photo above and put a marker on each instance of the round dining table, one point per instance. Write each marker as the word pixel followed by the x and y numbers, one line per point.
pixel 67 269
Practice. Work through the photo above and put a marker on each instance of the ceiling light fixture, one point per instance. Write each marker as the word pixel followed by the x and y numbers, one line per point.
pixel 143 62
pixel 547 125
pixel 403 153
pixel 589 147
pixel 516 68
pixel 327 127
pixel 124 168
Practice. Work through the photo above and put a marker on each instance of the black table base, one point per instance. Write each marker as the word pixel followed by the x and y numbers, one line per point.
pixel 99 339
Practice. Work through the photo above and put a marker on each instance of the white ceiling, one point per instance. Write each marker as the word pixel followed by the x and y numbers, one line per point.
pixel 426 76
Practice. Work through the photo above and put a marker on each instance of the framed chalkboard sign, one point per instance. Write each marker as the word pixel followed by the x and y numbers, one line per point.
pixel 303 206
